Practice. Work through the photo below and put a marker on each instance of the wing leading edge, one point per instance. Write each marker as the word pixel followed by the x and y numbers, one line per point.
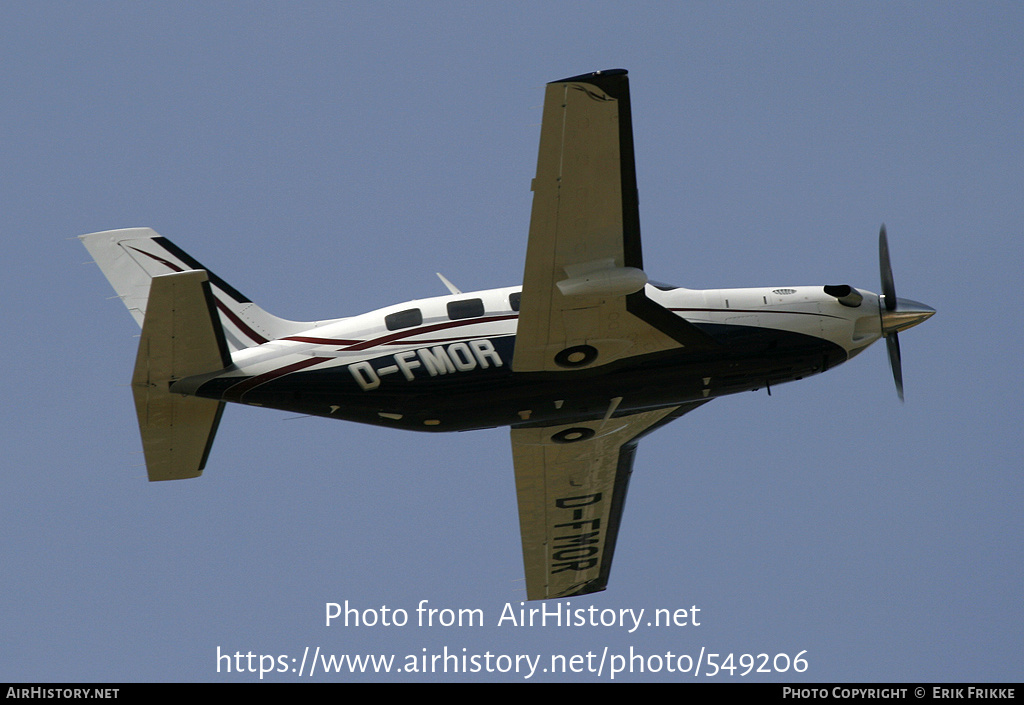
pixel 583 302
pixel 571 482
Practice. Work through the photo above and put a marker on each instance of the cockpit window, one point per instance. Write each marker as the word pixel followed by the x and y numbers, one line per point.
pixel 404 319
pixel 468 308
pixel 513 299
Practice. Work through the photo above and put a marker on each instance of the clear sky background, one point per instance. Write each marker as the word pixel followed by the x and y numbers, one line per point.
pixel 328 158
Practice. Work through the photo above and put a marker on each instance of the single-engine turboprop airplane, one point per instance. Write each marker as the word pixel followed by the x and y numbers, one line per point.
pixel 581 361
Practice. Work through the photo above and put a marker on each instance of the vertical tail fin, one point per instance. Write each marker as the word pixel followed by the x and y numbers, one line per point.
pixel 130 258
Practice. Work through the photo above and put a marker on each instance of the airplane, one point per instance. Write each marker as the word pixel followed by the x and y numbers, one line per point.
pixel 582 360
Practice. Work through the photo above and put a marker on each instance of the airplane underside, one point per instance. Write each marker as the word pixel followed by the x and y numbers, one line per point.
pixel 751 358
pixel 582 360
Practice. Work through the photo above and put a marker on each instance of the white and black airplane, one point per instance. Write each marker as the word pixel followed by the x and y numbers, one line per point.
pixel 581 361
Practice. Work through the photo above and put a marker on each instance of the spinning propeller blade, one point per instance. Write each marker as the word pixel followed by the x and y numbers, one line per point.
pixel 896 314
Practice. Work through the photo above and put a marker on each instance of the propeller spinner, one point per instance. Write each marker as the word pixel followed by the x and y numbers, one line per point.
pixel 897 314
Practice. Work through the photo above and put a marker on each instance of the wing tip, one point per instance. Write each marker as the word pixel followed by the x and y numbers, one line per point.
pixel 594 76
pixel 599 584
pixel 589 587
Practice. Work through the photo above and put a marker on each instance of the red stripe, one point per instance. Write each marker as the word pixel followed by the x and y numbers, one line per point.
pixel 235 392
pixel 398 338
pixel 256 337
pixel 161 260
pixel 253 335
pixel 320 341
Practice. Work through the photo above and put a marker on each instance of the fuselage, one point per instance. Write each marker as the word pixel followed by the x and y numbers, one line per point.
pixel 445 363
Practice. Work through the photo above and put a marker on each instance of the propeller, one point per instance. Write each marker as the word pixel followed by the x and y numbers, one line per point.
pixel 896 314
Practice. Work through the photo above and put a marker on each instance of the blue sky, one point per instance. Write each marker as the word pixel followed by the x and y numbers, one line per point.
pixel 328 158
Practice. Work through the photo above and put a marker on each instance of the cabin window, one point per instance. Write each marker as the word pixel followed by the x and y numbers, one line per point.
pixel 404 319
pixel 513 299
pixel 468 308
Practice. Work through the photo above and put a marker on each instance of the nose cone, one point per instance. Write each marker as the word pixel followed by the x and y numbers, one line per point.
pixel 907 314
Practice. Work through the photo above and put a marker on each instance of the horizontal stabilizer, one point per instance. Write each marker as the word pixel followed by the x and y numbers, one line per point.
pixel 181 337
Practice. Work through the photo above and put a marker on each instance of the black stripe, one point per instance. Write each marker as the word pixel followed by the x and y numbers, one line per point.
pixel 195 264
pixel 218 328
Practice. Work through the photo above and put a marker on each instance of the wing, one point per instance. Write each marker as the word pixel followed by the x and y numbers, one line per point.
pixel 583 302
pixel 571 482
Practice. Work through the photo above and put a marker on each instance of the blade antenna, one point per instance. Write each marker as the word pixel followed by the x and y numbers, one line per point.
pixel 451 287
